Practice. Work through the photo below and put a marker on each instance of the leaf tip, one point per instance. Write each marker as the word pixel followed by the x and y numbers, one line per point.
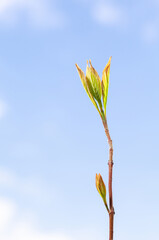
pixel 107 67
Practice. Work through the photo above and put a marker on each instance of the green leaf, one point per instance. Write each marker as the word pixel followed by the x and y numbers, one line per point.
pixel 95 83
pixel 88 90
pixel 105 84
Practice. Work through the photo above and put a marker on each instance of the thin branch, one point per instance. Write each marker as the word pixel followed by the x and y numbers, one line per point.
pixel 110 164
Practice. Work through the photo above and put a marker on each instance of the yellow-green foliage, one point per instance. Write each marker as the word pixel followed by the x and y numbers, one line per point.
pixel 96 89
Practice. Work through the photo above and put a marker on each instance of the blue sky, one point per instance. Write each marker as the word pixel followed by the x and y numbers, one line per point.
pixel 52 139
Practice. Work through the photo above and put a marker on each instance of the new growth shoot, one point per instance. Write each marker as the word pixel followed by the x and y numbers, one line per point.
pixel 97 91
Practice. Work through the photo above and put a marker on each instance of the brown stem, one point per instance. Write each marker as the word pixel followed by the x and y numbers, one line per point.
pixel 110 164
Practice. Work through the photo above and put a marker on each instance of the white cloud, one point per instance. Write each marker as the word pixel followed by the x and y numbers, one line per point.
pixel 150 32
pixel 7 210
pixel 29 186
pixel 40 13
pixel 13 227
pixel 17 223
pixel 108 14
pixel 3 109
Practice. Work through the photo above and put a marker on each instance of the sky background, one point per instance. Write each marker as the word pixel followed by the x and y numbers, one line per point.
pixel 52 140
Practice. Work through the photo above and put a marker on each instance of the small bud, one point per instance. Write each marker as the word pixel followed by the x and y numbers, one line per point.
pixel 100 185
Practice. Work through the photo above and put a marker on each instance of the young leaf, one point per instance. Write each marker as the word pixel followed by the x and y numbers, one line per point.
pixel 95 83
pixel 105 84
pixel 88 90
pixel 100 185
pixel 82 77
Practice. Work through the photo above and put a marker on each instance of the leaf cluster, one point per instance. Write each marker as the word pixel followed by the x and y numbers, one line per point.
pixel 96 89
